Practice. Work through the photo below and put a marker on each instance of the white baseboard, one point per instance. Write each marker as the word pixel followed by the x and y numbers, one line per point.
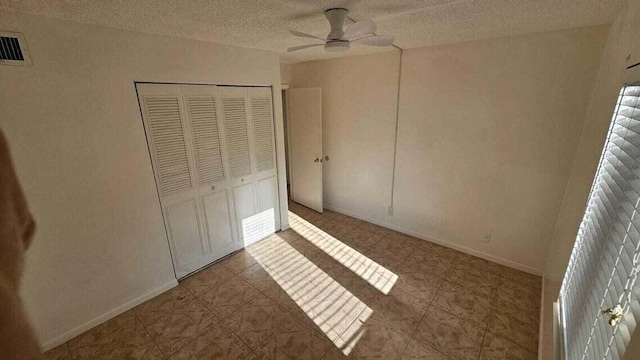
pixel 426 237
pixel 61 339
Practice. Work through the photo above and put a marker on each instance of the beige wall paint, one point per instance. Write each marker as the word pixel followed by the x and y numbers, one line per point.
pixel 625 31
pixel 73 123
pixel 486 138
pixel 286 73
pixel 358 114
pixel 487 134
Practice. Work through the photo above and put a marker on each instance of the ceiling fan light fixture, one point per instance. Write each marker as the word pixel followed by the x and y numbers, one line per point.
pixel 337 46
pixel 361 32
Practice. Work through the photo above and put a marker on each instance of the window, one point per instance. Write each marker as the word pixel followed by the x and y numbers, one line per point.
pixel 603 267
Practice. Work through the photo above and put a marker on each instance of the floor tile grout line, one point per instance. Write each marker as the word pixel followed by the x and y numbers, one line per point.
pixel 513 341
pixel 502 335
pixel 66 344
pixel 148 333
pixel 220 318
pixel 413 335
pixel 220 322
pixel 285 310
pixel 239 338
pixel 486 330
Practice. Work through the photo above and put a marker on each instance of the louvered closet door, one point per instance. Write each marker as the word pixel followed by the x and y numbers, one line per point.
pixel 250 142
pixel 167 132
pixel 235 113
pixel 214 196
pixel 213 155
pixel 263 139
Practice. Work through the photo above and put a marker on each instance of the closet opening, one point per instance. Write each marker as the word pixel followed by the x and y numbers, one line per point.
pixel 212 151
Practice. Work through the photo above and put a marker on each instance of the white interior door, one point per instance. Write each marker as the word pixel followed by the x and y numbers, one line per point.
pixel 305 153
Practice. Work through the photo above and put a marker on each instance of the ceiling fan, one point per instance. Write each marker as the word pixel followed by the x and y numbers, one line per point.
pixel 340 39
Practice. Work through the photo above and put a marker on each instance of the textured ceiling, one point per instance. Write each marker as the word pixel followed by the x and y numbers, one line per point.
pixel 264 24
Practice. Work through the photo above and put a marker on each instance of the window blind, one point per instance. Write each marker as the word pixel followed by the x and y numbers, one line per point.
pixel 604 262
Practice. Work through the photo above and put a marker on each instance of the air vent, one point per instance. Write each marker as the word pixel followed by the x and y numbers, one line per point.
pixel 13 49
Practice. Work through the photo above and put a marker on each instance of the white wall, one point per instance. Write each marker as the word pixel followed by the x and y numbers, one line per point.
pixel 358 114
pixel 486 137
pixel 286 73
pixel 74 126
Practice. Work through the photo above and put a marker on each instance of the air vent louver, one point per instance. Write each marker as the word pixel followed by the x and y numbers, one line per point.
pixel 13 49
pixel 10 49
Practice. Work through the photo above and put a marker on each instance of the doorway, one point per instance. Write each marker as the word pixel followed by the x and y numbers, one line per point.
pixel 305 159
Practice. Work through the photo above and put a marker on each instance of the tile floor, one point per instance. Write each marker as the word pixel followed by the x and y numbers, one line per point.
pixel 331 287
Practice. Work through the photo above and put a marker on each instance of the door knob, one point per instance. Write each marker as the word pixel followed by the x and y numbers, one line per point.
pixel 326 158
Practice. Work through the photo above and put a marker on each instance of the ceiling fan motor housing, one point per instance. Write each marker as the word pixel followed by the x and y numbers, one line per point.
pixel 336 17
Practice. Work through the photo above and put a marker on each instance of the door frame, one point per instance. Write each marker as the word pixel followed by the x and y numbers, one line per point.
pixel 279 138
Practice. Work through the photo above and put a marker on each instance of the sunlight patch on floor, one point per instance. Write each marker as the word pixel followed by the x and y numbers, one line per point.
pixel 375 274
pixel 332 307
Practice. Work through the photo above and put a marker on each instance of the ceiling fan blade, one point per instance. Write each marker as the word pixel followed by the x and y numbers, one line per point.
pixel 375 40
pixel 300 47
pixel 305 35
pixel 359 29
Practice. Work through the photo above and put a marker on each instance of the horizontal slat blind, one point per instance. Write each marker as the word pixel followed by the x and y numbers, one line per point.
pixel 167 138
pixel 262 132
pixel 206 138
pixel 601 271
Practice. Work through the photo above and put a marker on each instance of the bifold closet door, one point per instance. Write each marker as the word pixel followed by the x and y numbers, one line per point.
pixel 266 180
pixel 213 154
pixel 164 116
pixel 208 147
pixel 248 119
pixel 186 142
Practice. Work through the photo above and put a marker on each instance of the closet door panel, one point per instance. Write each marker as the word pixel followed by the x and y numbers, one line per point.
pixel 262 121
pixel 268 204
pixel 203 116
pixel 168 144
pixel 237 135
pixel 218 219
pixel 244 201
pixel 187 242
